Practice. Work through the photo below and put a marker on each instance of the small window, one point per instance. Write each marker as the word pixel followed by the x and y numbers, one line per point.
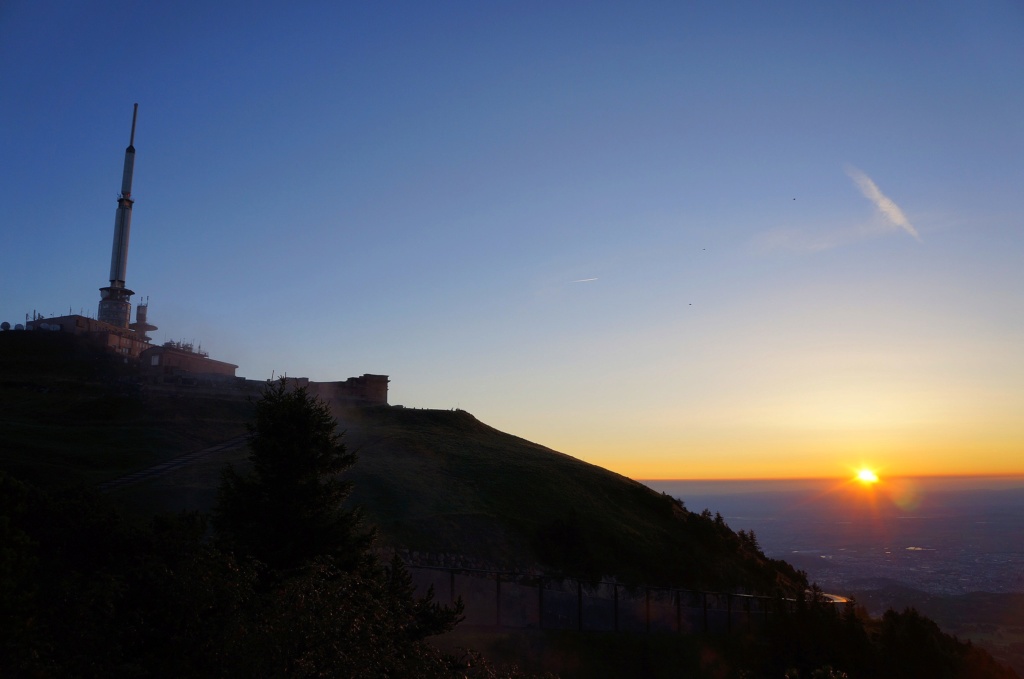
pixel 154 359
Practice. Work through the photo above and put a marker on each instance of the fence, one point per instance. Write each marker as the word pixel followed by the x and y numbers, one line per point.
pixel 503 599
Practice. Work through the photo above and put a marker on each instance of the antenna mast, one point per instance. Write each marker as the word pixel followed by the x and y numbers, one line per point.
pixel 115 307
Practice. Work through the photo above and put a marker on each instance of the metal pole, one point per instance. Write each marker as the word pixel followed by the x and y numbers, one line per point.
pixel 497 601
pixel 647 597
pixel 452 584
pixel 135 114
pixel 540 603
pixel 579 605
pixel 615 589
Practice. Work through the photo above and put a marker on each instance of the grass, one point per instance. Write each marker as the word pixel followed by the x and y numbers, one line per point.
pixel 442 481
pixel 600 655
pixel 192 488
pixel 69 415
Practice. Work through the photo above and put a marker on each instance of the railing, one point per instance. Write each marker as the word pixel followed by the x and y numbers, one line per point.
pixel 503 599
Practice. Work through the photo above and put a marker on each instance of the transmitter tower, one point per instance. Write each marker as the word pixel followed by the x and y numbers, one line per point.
pixel 115 305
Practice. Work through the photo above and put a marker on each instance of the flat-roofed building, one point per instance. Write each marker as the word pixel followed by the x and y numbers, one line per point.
pixel 174 360
pixel 121 341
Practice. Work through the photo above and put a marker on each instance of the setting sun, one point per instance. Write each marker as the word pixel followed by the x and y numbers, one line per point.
pixel 866 476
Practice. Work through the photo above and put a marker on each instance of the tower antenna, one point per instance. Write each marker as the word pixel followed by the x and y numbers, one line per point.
pixel 115 305
pixel 135 114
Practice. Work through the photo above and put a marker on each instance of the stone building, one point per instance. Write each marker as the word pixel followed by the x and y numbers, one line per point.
pixel 121 341
pixel 174 360
pixel 367 390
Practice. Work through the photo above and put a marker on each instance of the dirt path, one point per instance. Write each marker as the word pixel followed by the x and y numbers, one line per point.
pixel 170 465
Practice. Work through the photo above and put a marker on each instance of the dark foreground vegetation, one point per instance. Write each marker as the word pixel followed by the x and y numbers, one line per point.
pixel 84 592
pixel 818 641
pixel 280 579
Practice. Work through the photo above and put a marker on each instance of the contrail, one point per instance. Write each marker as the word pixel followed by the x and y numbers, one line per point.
pixel 885 205
pixel 585 280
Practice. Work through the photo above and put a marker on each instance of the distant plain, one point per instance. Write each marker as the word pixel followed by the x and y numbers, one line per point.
pixel 951 547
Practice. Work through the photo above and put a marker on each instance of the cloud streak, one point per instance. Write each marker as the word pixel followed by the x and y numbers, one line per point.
pixel 810 237
pixel 889 209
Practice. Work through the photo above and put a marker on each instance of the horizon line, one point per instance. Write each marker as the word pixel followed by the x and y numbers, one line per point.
pixel 1004 475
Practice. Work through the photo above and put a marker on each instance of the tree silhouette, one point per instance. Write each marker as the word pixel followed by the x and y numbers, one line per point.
pixel 289 508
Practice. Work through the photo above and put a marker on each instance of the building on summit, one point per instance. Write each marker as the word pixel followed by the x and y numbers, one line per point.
pixel 111 328
pixel 174 360
pixel 367 390
pixel 172 363
pixel 116 339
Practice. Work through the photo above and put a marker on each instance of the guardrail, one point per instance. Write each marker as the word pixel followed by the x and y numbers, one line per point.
pixel 511 600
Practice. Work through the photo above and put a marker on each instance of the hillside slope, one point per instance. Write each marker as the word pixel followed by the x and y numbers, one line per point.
pixel 442 481
pixel 73 413
pixel 431 480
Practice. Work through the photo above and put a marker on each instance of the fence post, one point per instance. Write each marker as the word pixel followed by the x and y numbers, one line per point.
pixel 579 605
pixel 615 589
pixel 647 604
pixel 679 612
pixel 540 602
pixel 728 613
pixel 769 606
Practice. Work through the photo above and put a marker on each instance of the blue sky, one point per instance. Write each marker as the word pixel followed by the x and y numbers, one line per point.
pixel 803 221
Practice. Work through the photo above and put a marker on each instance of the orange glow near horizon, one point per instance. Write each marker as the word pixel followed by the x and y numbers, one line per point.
pixel 653 451
pixel 811 459
pixel 764 471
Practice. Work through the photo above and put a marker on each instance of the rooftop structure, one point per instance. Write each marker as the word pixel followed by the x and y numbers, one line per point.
pixel 114 338
pixel 175 360
pixel 141 326
pixel 367 390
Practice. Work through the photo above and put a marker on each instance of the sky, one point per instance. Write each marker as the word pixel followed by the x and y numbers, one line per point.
pixel 677 240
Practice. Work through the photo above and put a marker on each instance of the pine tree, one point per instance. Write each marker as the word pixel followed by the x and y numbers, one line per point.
pixel 418 617
pixel 289 508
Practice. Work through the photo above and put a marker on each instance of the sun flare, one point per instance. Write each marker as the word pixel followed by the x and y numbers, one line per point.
pixel 867 477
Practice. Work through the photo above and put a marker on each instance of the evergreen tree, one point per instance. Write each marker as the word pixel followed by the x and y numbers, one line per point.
pixel 417 617
pixel 289 508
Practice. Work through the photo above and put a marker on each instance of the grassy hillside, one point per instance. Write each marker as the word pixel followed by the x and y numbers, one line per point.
pixel 442 481
pixel 72 413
